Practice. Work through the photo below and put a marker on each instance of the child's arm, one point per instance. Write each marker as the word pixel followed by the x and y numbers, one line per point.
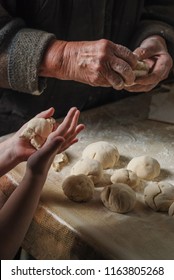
pixel 18 211
pixel 15 149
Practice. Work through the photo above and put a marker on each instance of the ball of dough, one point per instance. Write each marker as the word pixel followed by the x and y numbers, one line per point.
pixel 78 188
pixel 90 167
pixel 125 176
pixel 141 69
pixel 159 195
pixel 118 198
pixel 145 167
pixel 37 131
pixel 171 210
pixel 106 153
pixel 59 161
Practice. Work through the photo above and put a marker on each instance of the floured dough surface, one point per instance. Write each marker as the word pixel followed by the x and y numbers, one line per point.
pixel 90 167
pixel 79 188
pixel 159 195
pixel 141 69
pixel 106 153
pixel 125 176
pixel 118 198
pixel 37 131
pixel 145 167
pixel 60 161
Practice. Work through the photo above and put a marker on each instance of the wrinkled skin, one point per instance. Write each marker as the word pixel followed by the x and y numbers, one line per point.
pixel 154 51
pixel 97 63
pixel 103 63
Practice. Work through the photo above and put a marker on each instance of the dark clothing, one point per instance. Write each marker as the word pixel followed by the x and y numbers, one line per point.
pixel 123 22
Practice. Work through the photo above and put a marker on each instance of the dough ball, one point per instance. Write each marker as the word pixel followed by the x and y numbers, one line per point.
pixel 145 167
pixel 171 210
pixel 125 176
pixel 90 167
pixel 106 153
pixel 59 161
pixel 118 198
pixel 141 69
pixel 78 188
pixel 159 195
pixel 37 131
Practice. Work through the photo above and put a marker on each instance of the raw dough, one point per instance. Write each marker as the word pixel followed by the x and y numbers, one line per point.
pixel 125 176
pixel 37 131
pixel 141 69
pixel 118 198
pixel 145 167
pixel 171 210
pixel 59 161
pixel 106 153
pixel 79 188
pixel 159 195
pixel 90 167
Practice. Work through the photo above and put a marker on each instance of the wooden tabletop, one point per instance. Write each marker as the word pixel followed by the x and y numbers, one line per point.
pixel 63 229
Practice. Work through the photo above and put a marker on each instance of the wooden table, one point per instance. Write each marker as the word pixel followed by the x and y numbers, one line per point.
pixel 62 229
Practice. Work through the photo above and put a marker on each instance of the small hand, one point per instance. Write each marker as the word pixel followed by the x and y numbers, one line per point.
pixel 68 129
pixel 60 139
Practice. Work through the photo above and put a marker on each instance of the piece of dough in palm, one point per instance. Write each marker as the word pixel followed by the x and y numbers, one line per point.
pixel 37 131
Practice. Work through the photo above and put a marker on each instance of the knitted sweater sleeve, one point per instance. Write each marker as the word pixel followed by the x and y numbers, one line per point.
pixel 21 51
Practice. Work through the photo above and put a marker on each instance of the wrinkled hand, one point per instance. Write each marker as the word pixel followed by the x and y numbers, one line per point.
pixel 153 51
pixel 97 63
pixel 67 131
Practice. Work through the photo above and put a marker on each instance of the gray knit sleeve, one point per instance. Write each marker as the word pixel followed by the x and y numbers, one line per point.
pixel 24 57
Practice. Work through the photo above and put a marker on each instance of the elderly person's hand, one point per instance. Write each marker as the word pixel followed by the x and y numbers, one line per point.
pixel 97 63
pixel 153 51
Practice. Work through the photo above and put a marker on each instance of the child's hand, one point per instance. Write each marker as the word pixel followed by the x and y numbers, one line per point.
pixel 60 139
pixel 21 147
pixel 68 129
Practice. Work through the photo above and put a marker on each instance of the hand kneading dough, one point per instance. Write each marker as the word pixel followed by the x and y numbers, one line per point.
pixel 171 210
pixel 145 167
pixel 90 167
pixel 78 188
pixel 126 177
pixel 105 152
pixel 159 195
pixel 118 198
pixel 37 131
pixel 59 161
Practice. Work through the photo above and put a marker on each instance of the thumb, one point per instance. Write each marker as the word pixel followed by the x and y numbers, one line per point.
pixel 141 53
